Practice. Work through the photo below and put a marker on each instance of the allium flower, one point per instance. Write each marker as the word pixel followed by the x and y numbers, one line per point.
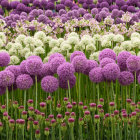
pixel 133 63
pixel 4 59
pixel 126 78
pixel 66 70
pixel 76 53
pixel 135 42
pixel 20 39
pixel 49 84
pixel 55 55
pixel 53 43
pixel 3 37
pixel 126 17
pixel 39 50
pixel 33 57
pixel 23 67
pixel 14 60
pixel 107 53
pixel 111 71
pixel 95 75
pixel 63 83
pixel 106 43
pixel 79 63
pixel 91 64
pixel 34 66
pixel 127 45
pixel 94 11
pixel 40 35
pixel 24 81
pixel 7 78
pixel 139 79
pixel 2 90
pixel 106 61
pixel 119 38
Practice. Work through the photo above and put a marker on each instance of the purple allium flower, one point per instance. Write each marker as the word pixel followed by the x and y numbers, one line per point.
pixel 15 69
pixel 82 11
pixel 4 59
pixel 107 53
pixel 66 70
pixel 14 4
pixel 104 4
pixel 95 75
pixel 133 63
pixel 68 3
pixel 94 11
pixel 23 67
pixel 24 81
pixel 49 13
pixel 106 61
pixel 81 1
pixel 5 4
pixel 131 9
pixel 79 63
pixel 120 2
pixel 26 2
pixel 85 6
pixel 115 13
pixel 34 13
pixel 55 63
pixel 124 8
pixel 54 55
pixel 111 71
pixel 42 18
pixel 34 66
pixel 103 14
pixel 34 57
pixel 36 3
pixel 63 83
pixel 76 53
pixel 87 16
pixel 51 6
pixel 60 7
pixel 62 11
pixel 21 7
pixel 91 64
pixel 49 84
pixel 126 78
pixel 7 78
pixel 2 90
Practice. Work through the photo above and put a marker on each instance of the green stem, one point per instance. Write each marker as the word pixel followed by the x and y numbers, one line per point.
pixel 60 137
pixel 69 90
pixel 98 92
pixel 7 99
pixel 71 133
pixel 36 92
pixel 24 99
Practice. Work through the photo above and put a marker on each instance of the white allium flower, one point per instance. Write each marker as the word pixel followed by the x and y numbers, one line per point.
pixel 13 51
pixel 29 42
pixel 119 38
pixel 1 43
pixel 126 45
pixel 135 42
pixel 94 56
pixel 45 59
pixel 47 39
pixel 14 60
pixel 60 40
pixel 55 49
pixel 24 51
pixel 79 47
pixel 126 17
pixel 110 37
pixel 97 37
pixel 105 43
pixel 3 50
pixel 20 39
pixel 3 37
pixel 117 49
pixel 39 50
pixel 138 54
pixel 73 34
pixel 65 46
pixel 29 54
pixel 53 43
pixel 132 52
pixel 38 43
pixel 135 34
pixel 40 35
pixel 91 47
pixel 17 46
pixel 73 40
pixel 86 39
pixel 9 45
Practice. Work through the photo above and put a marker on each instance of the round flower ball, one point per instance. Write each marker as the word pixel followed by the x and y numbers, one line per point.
pixel 106 61
pixel 111 71
pixel 24 81
pixel 54 55
pixel 49 84
pixel 126 78
pixel 2 90
pixel 33 57
pixel 139 79
pixel 63 83
pixel 66 70
pixel 133 63
pixel 79 63
pixel 91 64
pixel 4 59
pixel 23 69
pixel 7 78
pixel 107 53
pixel 55 63
pixel 76 53
pixel 95 75
pixel 121 59
pixel 34 66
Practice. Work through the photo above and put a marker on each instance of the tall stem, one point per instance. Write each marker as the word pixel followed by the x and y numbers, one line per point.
pixel 69 90
pixel 7 99
pixel 36 92
pixel 25 100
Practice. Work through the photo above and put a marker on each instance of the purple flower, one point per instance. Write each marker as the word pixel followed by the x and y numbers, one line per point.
pixel 111 71
pixel 50 6
pixel 23 67
pixel 104 4
pixel 68 3
pixel 36 3
pixel 2 90
pixel 76 53
pixel 4 59
pixel 49 84
pixel 139 79
pixel 60 7
pixel 63 83
pixel 14 4
pixel 103 14
pixel 106 61
pixel 66 70
pixel 91 64
pixel 87 16
pixel 5 4
pixel 21 7
pixel 124 8
pixel 7 78
pixel 115 13
pixel 82 11
pixel 113 7
pixel 120 2
pixel 79 63
pixel 131 9
pixel 24 81
pixel 33 57
pixel 34 66
pixel 94 11
pixel 54 55
pixel 126 78
pixel 81 1
pixel 107 53
pixel 95 75
pixel 42 18
pixel 49 13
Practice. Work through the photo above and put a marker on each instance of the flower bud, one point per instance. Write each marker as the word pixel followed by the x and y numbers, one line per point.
pixel 21 108
pixel 24 114
pixel 87 116
pixel 101 101
pixel 35 124
pixel 124 117
pixel 47 122
pixel 31 110
pixel 51 117
pixel 111 105
pixel 53 122
pixel 97 118
pixel 99 106
pixel 101 113
pixel 67 115
pixel 37 134
pixel 80 106
pixel 59 118
pixel 30 102
pixel 46 131
pixel 30 120
pixel 133 118
pixel 74 104
pixel 69 107
pixel 49 99
pixel 58 108
pixel 15 104
pixel 81 121
pixel 71 122
pixel 5 116
pixel 133 106
pixel 65 100
pixel 1 127
pixel 73 115
pixel 11 122
pixel 3 108
pixel 92 106
pixel 63 127
pixel 42 105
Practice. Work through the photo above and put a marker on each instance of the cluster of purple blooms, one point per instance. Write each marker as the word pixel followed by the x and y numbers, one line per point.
pixel 23 75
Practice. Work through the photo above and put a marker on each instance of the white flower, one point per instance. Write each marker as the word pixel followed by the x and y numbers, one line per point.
pixel 117 49
pixel 17 46
pixel 126 45
pixel 29 54
pixel 20 39
pixel 3 50
pixel 119 38
pixel 3 37
pixel 14 60
pixel 24 51
pixel 48 39
pixel 135 42
pixel 97 37
pixel 29 42
pixel 73 34
pixel 60 40
pixel 73 40
pixel 91 47
pixel 9 45
pixel 1 43
pixel 105 43
pixel 39 50
pixel 53 43
pixel 45 59
pixel 79 47
pixel 13 51
pixel 86 39
pixel 132 52
pixel 38 43
pixel 126 17
pixel 40 35
pixel 110 37
pixel 135 34
pixel 94 56
pixel 55 49
pixel 65 46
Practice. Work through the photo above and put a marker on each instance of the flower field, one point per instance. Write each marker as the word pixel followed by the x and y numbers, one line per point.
pixel 69 69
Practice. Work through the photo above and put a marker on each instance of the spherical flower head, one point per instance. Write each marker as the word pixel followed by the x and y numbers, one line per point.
pixel 91 64
pixel 55 63
pixel 23 67
pixel 115 13
pixel 76 53
pixel 111 71
pixel 33 57
pixel 66 70
pixel 4 59
pixel 87 16
pixel 24 81
pixel 106 61
pixel 139 78
pixel 133 63
pixel 49 84
pixel 107 53
pixel 54 55
pixel 79 63
pixel 126 78
pixel 131 9
pixel 119 38
pixel 34 66
pixel 49 13
pixel 95 75
pixel 94 11
pixel 68 3
pixel 2 90
pixel 7 78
